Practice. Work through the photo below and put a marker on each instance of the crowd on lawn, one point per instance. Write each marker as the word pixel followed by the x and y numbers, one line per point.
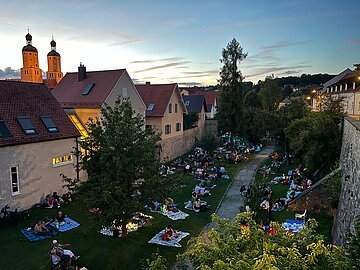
pixel 206 167
pixel 297 179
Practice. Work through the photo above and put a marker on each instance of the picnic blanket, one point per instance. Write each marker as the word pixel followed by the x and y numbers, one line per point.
pixel 157 239
pixel 109 232
pixel 175 215
pixel 293 225
pixel 30 234
pixel 68 225
pixel 297 193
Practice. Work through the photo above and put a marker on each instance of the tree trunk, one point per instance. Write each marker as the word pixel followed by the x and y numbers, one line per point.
pixel 123 231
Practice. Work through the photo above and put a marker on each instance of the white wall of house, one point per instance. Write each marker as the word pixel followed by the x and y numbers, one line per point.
pixel 125 88
pixel 37 174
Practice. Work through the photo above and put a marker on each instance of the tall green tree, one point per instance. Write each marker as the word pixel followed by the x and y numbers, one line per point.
pixel 317 137
pixel 270 93
pixel 242 244
pixel 121 158
pixel 231 104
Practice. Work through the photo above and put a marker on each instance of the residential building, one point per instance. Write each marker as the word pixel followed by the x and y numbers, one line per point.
pixel 347 87
pixel 36 144
pixel 211 98
pixel 82 93
pixel 164 108
pixel 196 104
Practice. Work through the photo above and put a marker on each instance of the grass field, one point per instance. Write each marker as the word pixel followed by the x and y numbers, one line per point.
pixel 279 191
pixel 102 252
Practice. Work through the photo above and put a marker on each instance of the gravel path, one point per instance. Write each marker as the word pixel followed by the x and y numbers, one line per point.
pixel 232 199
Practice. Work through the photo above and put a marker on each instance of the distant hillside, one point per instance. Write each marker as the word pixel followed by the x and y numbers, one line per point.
pixel 304 79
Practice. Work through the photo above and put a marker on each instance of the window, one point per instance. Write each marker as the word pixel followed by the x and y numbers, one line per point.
pixel 170 108
pixel 148 126
pixel 87 89
pixel 124 94
pixel 176 108
pixel 49 123
pixel 187 103
pixel 150 107
pixel 61 161
pixel 178 126
pixel 27 125
pixel 14 177
pixel 167 129
pixel 4 131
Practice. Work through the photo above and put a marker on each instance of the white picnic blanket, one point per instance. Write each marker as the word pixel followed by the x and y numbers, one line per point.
pixel 157 239
pixel 175 215
pixel 109 232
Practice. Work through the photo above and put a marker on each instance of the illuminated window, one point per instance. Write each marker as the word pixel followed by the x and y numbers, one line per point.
pixel 80 127
pixel 61 161
pixel 14 177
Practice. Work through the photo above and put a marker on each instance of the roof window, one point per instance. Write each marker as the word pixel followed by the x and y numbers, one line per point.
pixel 27 125
pixel 4 131
pixel 49 123
pixel 87 89
pixel 151 107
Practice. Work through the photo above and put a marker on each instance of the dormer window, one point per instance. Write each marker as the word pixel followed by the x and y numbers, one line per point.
pixel 49 124
pixel 27 125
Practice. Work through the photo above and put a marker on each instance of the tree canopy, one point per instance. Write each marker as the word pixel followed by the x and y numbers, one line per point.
pixel 270 94
pixel 242 244
pixel 121 158
pixel 230 107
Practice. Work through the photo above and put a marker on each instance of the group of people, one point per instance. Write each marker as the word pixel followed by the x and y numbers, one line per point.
pixel 169 233
pixel 54 200
pixel 62 257
pixel 49 226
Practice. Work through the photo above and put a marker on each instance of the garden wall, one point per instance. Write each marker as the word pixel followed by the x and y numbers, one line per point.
pixel 349 205
pixel 179 145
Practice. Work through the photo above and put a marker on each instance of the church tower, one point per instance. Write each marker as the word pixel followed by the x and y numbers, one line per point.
pixel 54 74
pixel 30 71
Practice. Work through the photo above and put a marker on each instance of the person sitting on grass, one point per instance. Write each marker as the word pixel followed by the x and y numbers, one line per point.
pixel 58 261
pixel 56 199
pixel 42 230
pixel 61 251
pixel 67 197
pixel 59 219
pixel 49 201
pixel 169 233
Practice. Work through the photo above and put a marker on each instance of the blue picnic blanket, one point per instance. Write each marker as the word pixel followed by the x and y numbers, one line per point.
pixel 293 225
pixel 68 225
pixel 32 236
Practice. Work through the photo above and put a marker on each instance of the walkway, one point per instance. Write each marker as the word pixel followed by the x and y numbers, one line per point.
pixel 232 199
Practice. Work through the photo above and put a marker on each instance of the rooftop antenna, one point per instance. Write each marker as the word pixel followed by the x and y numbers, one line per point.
pixel 52 36
pixel 28 30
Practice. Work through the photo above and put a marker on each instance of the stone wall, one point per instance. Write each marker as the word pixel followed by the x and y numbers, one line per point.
pixel 349 205
pixel 179 145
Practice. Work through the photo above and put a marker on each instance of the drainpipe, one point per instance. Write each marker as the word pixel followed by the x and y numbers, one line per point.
pixel 77 160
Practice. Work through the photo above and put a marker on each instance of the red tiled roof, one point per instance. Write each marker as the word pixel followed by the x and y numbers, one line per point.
pixel 32 100
pixel 157 94
pixel 69 91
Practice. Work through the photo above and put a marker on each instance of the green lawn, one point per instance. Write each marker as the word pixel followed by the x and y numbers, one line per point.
pixel 279 191
pixel 102 252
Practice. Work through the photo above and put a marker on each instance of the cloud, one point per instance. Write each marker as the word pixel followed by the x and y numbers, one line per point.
pixel 283 44
pixel 290 72
pixel 157 60
pixel 171 64
pixel 9 73
pixel 353 41
pixel 182 84
pixel 276 69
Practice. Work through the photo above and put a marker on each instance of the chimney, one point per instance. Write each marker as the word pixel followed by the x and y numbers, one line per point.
pixel 354 85
pixel 81 72
pixel 147 83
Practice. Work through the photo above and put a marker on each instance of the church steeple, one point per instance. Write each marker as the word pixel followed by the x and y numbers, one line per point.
pixel 54 74
pixel 30 71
